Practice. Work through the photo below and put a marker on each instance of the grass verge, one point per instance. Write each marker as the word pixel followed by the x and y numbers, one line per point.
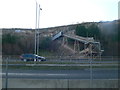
pixel 31 62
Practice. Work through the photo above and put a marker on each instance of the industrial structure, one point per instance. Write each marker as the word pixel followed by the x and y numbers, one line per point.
pixel 91 47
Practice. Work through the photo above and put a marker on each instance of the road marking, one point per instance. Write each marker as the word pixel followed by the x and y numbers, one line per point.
pixel 71 64
pixel 35 74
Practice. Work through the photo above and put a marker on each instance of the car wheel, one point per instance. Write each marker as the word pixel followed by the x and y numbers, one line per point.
pixel 39 60
pixel 24 60
pixel 35 60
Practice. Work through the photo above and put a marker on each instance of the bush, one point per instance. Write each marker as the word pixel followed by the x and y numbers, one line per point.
pixel 81 31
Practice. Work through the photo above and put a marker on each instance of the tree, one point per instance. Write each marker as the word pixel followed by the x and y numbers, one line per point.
pixel 93 31
pixel 8 38
pixel 45 43
pixel 81 30
pixel 8 44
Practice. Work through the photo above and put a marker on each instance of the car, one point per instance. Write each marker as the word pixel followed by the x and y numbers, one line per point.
pixel 32 57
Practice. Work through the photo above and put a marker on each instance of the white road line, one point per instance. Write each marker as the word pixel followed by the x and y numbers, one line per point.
pixel 35 74
pixel 71 64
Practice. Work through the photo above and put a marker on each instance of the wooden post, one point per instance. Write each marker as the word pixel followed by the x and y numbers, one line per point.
pixel 66 41
pixel 75 45
pixel 78 46
pixel 63 41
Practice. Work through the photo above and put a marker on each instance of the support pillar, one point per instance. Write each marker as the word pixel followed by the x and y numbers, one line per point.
pixel 65 41
pixel 76 46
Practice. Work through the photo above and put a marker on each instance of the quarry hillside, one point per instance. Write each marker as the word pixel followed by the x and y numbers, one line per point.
pixel 16 41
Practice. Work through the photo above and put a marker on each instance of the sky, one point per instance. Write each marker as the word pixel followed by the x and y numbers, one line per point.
pixel 22 13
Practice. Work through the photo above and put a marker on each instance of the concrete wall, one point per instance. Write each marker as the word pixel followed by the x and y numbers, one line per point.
pixel 60 83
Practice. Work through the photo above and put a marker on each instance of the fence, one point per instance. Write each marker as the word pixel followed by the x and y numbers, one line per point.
pixel 68 58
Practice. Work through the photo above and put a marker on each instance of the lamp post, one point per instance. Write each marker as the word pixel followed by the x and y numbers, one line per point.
pixel 38 30
pixel 35 29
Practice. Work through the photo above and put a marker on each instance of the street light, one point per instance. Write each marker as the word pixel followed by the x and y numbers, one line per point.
pixel 38 30
pixel 35 30
pixel 36 51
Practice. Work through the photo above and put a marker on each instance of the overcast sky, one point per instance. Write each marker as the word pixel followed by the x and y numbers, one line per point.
pixel 22 13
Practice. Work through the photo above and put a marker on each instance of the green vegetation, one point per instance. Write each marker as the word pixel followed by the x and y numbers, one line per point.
pixel 10 39
pixel 46 53
pixel 17 44
pixel 91 31
pixel 118 35
pixel 81 30
pixel 106 33
pixel 45 43
pixel 46 62
pixel 51 62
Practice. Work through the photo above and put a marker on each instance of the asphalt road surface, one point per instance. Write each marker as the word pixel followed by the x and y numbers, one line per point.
pixel 60 64
pixel 62 74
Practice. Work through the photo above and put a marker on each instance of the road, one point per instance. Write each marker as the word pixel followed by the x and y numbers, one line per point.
pixel 60 64
pixel 66 74
pixel 62 74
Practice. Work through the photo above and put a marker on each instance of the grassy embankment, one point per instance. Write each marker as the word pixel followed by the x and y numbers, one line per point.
pixel 32 66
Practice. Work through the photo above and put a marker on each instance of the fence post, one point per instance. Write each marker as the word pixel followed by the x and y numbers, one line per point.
pixel 68 84
pixel 6 83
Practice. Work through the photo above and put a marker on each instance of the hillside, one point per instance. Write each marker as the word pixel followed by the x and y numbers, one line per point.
pixel 16 41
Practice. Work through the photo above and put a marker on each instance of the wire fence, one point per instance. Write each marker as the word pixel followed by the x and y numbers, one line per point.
pixel 65 58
